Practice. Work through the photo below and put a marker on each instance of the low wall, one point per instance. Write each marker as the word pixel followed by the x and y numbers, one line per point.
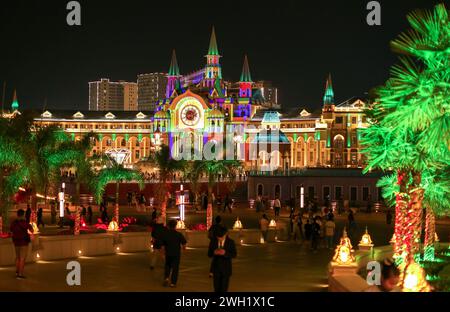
pixel 69 246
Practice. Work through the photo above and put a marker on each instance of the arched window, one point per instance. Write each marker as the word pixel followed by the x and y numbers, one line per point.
pixel 260 190
pixel 277 191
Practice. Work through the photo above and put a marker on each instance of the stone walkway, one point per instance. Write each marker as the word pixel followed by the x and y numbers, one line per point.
pixel 268 267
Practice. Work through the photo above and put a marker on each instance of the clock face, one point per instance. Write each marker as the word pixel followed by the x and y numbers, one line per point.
pixel 190 115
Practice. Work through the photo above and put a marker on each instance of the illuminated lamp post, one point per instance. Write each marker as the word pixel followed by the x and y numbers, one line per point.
pixel 180 223
pixel 302 197
pixel 61 205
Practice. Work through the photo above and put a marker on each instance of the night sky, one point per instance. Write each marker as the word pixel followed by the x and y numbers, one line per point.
pixel 293 43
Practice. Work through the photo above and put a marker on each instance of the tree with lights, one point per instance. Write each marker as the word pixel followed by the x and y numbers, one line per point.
pixel 167 167
pixel 212 169
pixel 409 132
pixel 12 171
pixel 117 173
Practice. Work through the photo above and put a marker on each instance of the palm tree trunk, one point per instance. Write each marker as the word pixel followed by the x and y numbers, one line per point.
pixel 430 234
pixel 209 210
pixel 116 209
pixel 400 212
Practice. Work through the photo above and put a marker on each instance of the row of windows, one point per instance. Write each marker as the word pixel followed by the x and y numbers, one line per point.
pixel 354 193
pixel 104 127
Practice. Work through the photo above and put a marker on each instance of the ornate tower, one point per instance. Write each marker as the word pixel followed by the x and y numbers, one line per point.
pixel 245 83
pixel 174 75
pixel 328 98
pixel 15 103
pixel 213 69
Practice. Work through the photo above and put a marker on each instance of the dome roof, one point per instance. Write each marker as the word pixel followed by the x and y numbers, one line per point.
pixel 215 113
pixel 162 115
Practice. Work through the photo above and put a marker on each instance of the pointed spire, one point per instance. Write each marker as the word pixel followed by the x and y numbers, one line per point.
pixel 329 93
pixel 245 75
pixel 213 50
pixel 15 103
pixel 174 70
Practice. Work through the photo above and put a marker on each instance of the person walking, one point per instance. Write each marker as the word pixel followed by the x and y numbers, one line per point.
pixel 330 228
pixel 351 225
pixel 277 206
pixel 388 217
pixel 264 226
pixel 39 217
pixel 219 203
pixel 259 204
pixel 21 239
pixel 315 235
pixel 212 233
pixel 308 230
pixel 158 230
pixel 222 250
pixel 227 203
pixel 53 214
pixel 173 241
pixel 89 215
pixel 28 214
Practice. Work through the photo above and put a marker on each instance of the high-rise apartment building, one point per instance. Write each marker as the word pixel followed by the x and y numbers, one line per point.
pixel 151 89
pixel 110 95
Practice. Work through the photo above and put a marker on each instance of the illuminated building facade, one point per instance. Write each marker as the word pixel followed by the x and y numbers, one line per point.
pixel 203 107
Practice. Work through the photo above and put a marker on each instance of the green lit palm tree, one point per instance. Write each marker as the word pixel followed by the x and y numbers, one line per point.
pixel 212 169
pixel 167 167
pixel 115 173
pixel 12 172
pixel 410 122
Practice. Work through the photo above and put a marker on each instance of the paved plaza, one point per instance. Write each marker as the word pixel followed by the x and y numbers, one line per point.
pixel 280 266
pixel 268 267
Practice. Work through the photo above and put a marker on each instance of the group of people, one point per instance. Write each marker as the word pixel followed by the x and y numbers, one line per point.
pixel 263 204
pixel 168 244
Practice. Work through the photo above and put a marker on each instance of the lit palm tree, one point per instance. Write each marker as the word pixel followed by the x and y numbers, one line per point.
pixel 12 172
pixel 167 167
pixel 409 132
pixel 212 169
pixel 115 173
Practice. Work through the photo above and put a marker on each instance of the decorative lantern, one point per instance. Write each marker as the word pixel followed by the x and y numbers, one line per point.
pixel 272 224
pixel 344 252
pixel 113 226
pixel 436 237
pixel 237 224
pixel 180 225
pixel 366 241
pixel 392 241
pixel 35 228
pixel 415 280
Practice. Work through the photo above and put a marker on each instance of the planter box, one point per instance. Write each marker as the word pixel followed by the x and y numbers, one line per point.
pixel 68 246
pixel 250 236
pixel 197 239
pixel 271 234
pixel 135 242
pixel 235 235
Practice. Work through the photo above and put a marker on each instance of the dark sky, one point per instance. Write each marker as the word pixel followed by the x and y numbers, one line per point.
pixel 294 43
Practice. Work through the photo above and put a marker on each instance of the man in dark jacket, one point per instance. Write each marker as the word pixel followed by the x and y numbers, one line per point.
pixel 221 249
pixel 173 241
pixel 158 230
pixel 21 239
